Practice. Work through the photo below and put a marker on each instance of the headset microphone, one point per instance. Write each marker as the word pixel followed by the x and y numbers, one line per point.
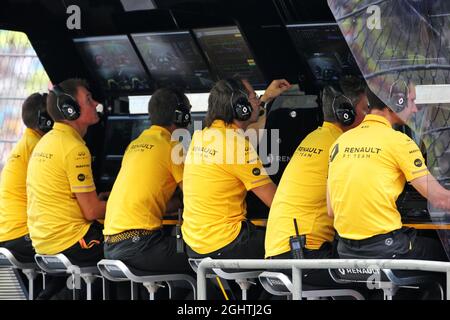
pixel 99 108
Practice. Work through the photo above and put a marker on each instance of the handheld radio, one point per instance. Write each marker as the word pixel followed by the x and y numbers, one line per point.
pixel 297 243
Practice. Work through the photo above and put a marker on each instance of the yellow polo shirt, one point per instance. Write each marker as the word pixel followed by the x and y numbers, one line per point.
pixel 146 182
pixel 13 193
pixel 60 166
pixel 369 166
pixel 221 165
pixel 301 194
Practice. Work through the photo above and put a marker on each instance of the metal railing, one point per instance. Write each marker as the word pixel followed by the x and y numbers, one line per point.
pixel 297 265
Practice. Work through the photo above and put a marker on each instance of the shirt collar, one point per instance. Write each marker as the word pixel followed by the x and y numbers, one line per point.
pixel 31 132
pixel 377 118
pixel 161 130
pixel 222 124
pixel 60 126
pixel 332 126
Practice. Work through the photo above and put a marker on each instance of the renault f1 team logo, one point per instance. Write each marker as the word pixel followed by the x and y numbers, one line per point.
pixel 334 152
pixel 359 271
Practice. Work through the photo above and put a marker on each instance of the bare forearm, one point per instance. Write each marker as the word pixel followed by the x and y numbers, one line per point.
pixel 91 207
pixel 96 211
pixel 437 195
pixel 266 193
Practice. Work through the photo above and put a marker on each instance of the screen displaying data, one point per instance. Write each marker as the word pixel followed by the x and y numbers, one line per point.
pixel 324 48
pixel 229 55
pixel 113 61
pixel 174 59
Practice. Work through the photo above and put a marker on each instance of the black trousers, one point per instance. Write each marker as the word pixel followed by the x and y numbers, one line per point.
pixel 21 248
pixel 23 251
pixel 85 253
pixel 88 250
pixel 403 243
pixel 155 253
pixel 318 277
pixel 249 244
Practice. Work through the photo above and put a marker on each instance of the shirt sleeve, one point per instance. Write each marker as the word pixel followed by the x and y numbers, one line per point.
pixel 409 158
pixel 176 159
pixel 79 171
pixel 247 166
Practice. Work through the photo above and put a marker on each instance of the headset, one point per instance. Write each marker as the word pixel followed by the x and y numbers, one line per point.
pixel 344 112
pixel 44 123
pixel 182 114
pixel 241 107
pixel 66 104
pixel 398 98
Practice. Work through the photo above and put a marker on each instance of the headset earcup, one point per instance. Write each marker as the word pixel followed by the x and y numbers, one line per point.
pixel 69 108
pixel 45 123
pixel 346 114
pixel 399 101
pixel 182 117
pixel 398 95
pixel 242 109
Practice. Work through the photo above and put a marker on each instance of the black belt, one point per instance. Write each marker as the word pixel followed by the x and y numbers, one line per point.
pixel 371 240
pixel 129 234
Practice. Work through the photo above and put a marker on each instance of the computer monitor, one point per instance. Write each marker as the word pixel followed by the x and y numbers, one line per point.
pixel 114 63
pixel 229 54
pixel 119 132
pixel 174 59
pixel 325 50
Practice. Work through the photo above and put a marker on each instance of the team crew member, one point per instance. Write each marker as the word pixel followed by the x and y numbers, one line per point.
pixel 369 166
pixel 301 194
pixel 62 201
pixel 221 166
pixel 145 184
pixel 13 196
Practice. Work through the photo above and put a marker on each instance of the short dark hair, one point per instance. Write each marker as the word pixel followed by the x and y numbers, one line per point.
pixel 374 101
pixel 327 97
pixel 353 87
pixel 69 86
pixel 220 103
pixel 31 108
pixel 162 105
pixel 350 86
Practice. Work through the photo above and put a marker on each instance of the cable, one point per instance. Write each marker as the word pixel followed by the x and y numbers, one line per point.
pixel 222 288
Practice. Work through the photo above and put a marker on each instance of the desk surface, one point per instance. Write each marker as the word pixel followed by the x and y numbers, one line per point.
pixel 417 225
